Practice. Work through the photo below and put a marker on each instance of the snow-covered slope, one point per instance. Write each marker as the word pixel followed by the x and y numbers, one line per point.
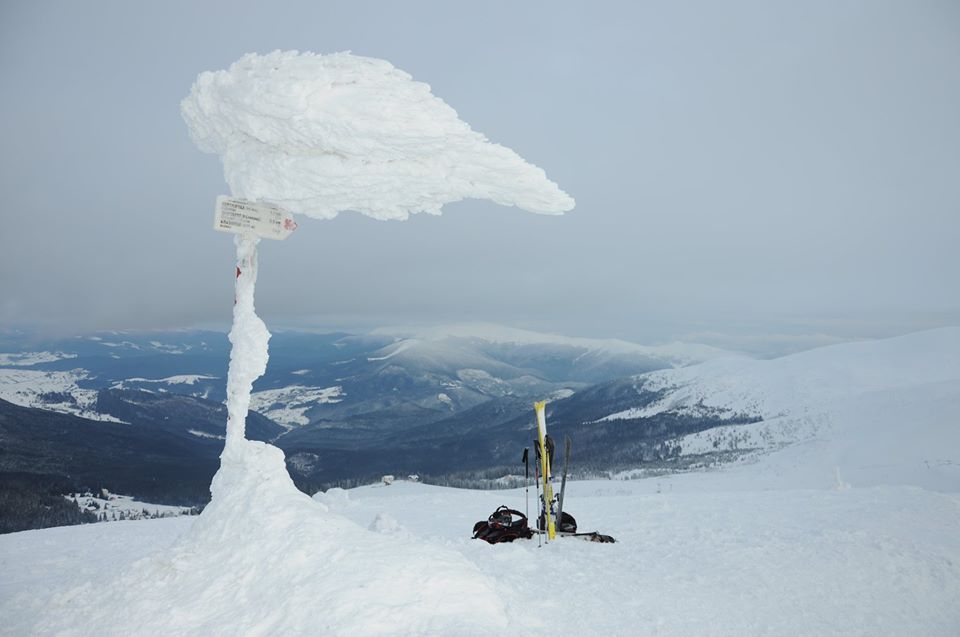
pixel 288 406
pixel 890 403
pixel 51 390
pixel 398 560
pixel 770 388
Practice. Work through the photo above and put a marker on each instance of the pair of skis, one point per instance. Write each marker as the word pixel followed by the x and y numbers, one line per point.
pixel 550 522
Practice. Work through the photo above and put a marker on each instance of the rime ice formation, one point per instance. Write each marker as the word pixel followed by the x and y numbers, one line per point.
pixel 319 135
pixel 322 134
pixel 248 337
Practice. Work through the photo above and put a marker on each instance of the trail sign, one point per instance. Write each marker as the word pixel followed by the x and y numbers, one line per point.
pixel 240 216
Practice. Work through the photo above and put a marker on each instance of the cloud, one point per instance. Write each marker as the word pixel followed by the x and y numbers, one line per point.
pixel 321 134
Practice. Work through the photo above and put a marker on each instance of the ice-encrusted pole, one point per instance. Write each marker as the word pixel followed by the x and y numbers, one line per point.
pixel 248 337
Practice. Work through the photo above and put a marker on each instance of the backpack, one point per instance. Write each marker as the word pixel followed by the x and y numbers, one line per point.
pixel 567 525
pixel 503 525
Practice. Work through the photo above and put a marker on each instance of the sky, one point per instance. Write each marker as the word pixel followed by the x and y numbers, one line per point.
pixel 764 176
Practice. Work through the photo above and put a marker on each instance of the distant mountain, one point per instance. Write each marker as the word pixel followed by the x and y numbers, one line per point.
pixel 346 405
pixel 376 383
pixel 877 407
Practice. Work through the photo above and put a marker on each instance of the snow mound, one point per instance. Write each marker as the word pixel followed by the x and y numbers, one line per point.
pixel 265 559
pixel 321 134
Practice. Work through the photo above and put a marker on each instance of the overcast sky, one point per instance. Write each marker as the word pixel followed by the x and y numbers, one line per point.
pixel 758 175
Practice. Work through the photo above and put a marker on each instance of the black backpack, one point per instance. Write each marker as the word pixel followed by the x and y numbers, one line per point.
pixel 567 525
pixel 503 525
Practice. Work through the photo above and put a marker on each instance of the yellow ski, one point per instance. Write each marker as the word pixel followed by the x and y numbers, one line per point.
pixel 545 467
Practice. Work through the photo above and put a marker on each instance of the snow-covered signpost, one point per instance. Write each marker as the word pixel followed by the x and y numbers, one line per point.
pixel 249 221
pixel 322 134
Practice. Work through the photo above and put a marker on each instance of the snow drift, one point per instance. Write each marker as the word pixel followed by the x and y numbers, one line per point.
pixel 321 134
pixel 265 559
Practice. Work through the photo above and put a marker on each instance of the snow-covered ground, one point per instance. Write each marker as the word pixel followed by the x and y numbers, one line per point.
pixel 692 558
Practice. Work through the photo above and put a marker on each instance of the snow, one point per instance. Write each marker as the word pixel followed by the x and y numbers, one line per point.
pixel 293 568
pixel 180 379
pixel 393 349
pixel 288 406
pixel 27 359
pixel 204 434
pixel 248 337
pixel 170 349
pixel 322 134
pixel 769 388
pixel 445 399
pixel 115 506
pixel 397 560
pixel 53 391
pixel 876 412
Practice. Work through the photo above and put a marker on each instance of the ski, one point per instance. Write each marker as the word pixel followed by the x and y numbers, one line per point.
pixel 563 481
pixel 540 408
pixel 590 536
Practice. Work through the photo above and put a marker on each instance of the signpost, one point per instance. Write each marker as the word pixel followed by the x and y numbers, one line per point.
pixel 250 221
pixel 241 216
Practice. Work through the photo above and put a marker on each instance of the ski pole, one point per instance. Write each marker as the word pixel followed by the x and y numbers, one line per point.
pixel 526 478
pixel 536 473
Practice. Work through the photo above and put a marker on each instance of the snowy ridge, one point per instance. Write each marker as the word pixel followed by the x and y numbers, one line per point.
pixel 181 379
pixel 769 388
pixel 682 353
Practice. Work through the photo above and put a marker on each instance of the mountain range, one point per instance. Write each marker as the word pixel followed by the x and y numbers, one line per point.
pixel 142 413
